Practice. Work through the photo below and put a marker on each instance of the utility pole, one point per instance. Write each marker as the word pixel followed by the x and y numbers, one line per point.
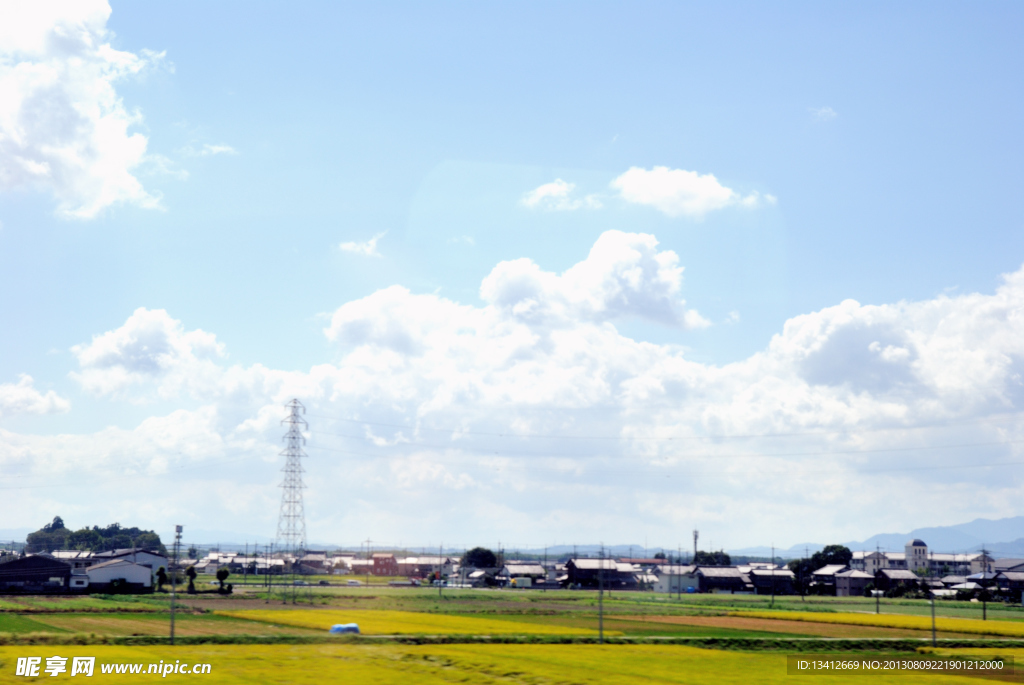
pixel 877 596
pixel 679 563
pixel 440 567
pixel 696 535
pixel 368 541
pixel 174 571
pixel 803 593
pixel 773 575
pixel 291 522
pixel 600 598
pixel 934 642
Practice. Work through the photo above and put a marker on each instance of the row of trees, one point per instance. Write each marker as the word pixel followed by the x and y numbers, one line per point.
pixel 481 557
pixel 55 535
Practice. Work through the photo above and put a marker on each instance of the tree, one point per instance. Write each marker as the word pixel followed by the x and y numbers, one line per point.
pixel 222 575
pixel 56 524
pixel 193 553
pixel 832 555
pixel 84 539
pixel 161 578
pixel 479 557
pixel 191 573
pixel 659 555
pixel 48 538
pixel 719 558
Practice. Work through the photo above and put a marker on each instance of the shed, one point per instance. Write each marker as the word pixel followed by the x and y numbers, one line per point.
pixel 38 574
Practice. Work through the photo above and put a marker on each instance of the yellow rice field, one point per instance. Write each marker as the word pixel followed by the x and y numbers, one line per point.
pixel 429 664
pixel 372 622
pixel 950 625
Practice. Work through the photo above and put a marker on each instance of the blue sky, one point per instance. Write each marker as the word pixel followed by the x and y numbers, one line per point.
pixel 787 157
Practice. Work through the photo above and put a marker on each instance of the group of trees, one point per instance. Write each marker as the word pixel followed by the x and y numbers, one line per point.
pixel 162 578
pixel 479 557
pixel 718 558
pixel 838 555
pixel 55 535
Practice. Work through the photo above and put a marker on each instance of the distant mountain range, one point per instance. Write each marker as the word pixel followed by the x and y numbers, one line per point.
pixel 1002 538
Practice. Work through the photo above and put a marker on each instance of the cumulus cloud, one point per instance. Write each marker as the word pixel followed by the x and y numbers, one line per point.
pixel 678 192
pixel 23 398
pixel 557 196
pixel 63 127
pixel 367 249
pixel 624 275
pixel 149 345
pixel 533 408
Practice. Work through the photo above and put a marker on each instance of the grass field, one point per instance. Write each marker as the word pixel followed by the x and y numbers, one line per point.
pixel 372 622
pixel 485 664
pixel 951 625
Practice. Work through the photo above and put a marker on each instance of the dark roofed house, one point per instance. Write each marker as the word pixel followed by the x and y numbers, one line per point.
pixel 826 576
pixel 36 574
pixel 777 580
pixel 587 573
pixel 145 557
pixel 852 583
pixel 1011 583
pixel 722 579
pixel 1016 565
pixel 889 578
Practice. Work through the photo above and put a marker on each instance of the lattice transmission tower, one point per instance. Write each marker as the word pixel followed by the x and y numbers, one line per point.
pixel 291 522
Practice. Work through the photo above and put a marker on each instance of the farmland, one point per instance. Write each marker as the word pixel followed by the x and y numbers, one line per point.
pixel 507 664
pixel 747 629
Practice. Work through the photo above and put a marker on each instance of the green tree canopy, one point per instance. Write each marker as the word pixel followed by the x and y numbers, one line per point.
pixel 712 559
pixel 479 557
pixel 832 555
pixel 55 535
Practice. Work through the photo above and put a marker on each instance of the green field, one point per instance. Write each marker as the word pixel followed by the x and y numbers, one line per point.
pixel 486 664
pixel 752 626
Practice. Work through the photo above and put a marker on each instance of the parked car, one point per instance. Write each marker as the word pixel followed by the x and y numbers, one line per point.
pixel 323 582
pixel 353 582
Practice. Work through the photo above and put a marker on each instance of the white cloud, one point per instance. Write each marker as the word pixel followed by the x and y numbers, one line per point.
pixel 557 196
pixel 23 398
pixel 63 127
pixel 148 346
pixel 624 275
pixel 208 150
pixel 678 192
pixel 823 113
pixel 535 412
pixel 367 249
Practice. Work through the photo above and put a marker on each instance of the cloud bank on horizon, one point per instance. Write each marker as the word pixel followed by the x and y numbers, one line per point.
pixel 532 406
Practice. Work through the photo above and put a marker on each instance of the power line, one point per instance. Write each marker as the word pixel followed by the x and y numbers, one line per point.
pixel 739 436
pixel 719 474
pixel 716 455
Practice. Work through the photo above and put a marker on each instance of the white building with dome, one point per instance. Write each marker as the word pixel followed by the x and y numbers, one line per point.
pixel 915 556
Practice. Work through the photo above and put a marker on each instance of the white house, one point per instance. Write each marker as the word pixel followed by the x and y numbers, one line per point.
pixel 131 576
